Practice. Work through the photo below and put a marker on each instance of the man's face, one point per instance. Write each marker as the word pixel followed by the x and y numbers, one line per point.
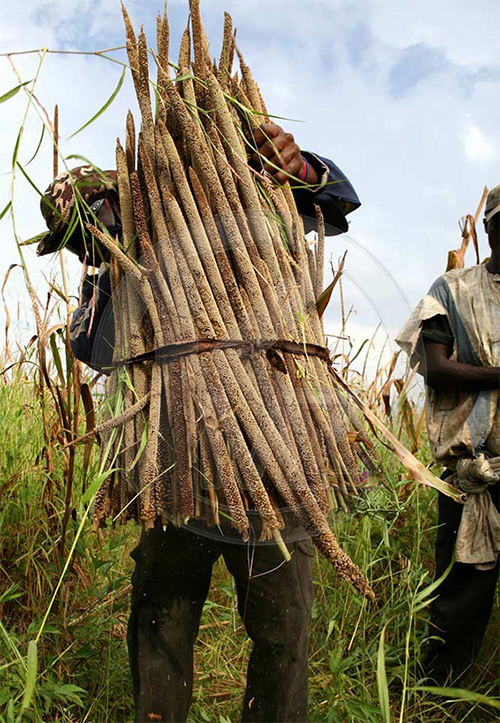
pixel 107 213
pixel 492 228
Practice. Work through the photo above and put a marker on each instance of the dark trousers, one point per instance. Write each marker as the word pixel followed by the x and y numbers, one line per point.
pixel 460 614
pixel 170 585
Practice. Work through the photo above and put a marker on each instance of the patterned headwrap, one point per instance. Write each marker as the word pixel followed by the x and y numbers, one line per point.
pixel 62 213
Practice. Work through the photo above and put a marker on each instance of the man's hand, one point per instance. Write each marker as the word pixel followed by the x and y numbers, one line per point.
pixel 475 474
pixel 279 155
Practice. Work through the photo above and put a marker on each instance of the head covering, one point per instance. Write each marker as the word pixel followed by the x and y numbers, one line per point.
pixel 62 213
pixel 492 203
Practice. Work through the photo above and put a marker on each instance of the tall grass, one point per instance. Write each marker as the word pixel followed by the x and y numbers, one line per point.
pixel 363 658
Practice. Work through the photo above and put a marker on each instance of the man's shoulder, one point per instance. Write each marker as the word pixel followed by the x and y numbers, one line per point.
pixel 457 277
pixel 468 272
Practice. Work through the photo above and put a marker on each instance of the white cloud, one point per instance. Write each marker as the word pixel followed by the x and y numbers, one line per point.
pixel 467 31
pixel 477 146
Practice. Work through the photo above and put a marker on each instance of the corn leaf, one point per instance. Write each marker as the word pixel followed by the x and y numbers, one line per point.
pixel 424 595
pixel 324 299
pixel 350 361
pixel 88 405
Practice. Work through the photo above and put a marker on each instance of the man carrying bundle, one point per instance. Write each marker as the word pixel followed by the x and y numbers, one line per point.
pixel 174 566
pixel 453 339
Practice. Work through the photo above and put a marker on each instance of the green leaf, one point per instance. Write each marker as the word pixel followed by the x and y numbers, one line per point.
pixel 418 608
pixel 2 214
pixel 184 76
pixel 29 179
pixel 10 710
pixel 35 626
pixel 358 352
pixel 16 147
pixel 14 91
pixel 31 673
pixel 69 693
pixel 12 592
pixel 38 146
pixel 104 107
pixel 331 625
pixel 460 694
pixel 383 690
pixel 90 492
pixel 427 591
pixel 142 446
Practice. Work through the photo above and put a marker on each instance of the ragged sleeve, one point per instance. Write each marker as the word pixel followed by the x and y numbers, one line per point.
pixel 409 336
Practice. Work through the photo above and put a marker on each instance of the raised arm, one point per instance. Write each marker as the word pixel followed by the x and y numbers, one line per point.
pixel 318 180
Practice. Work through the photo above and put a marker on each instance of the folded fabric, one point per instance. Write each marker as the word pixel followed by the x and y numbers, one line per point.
pixel 474 474
pixel 478 538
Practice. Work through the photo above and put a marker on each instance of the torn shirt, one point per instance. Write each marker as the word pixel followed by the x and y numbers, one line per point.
pixel 461 423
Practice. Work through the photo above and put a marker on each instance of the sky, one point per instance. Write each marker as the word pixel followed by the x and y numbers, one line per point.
pixel 403 95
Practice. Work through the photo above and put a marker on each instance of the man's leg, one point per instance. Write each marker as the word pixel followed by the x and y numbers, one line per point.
pixel 463 607
pixel 275 601
pixel 170 585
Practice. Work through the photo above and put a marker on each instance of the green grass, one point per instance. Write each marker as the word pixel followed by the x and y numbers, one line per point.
pixel 77 670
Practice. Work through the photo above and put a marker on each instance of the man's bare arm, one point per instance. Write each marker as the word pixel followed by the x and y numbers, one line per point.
pixel 441 372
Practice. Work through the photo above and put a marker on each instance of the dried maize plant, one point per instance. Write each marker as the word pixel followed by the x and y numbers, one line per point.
pixel 228 403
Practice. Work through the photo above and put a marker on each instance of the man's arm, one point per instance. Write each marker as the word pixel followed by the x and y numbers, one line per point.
pixel 92 334
pixel 318 181
pixel 335 196
pixel 442 373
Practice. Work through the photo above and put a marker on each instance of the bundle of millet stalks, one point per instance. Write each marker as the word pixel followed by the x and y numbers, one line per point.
pixel 225 399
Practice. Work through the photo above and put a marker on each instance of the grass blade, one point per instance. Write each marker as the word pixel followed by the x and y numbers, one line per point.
pixel 422 596
pixel 14 91
pixel 2 214
pixel 31 675
pixel 460 694
pixel 383 690
pixel 104 107
pixel 39 145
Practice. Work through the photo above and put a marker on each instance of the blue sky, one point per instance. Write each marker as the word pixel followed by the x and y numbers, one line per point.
pixel 401 94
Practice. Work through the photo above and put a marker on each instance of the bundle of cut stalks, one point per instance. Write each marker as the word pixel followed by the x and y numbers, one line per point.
pixel 228 402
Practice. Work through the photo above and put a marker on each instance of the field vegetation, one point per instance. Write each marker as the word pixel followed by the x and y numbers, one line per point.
pixel 64 590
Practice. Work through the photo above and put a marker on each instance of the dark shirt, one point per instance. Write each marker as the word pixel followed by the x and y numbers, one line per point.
pixel 92 330
pixel 438 329
pixel 92 324
pixel 336 198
